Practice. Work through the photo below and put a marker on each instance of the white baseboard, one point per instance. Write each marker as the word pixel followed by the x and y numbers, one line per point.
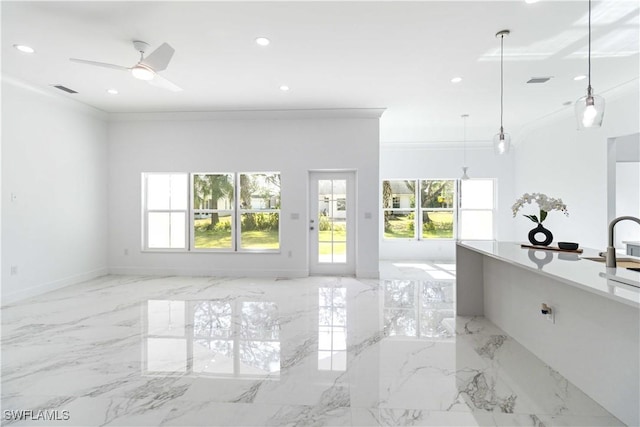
pixel 146 271
pixel 35 290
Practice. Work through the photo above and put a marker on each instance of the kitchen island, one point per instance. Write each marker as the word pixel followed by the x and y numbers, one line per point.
pixel 591 336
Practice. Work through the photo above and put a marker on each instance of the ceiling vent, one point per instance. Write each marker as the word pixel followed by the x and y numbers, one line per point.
pixel 64 88
pixel 539 79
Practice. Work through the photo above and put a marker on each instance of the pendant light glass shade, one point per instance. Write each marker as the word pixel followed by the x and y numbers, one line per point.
pixel 464 176
pixel 502 141
pixel 589 108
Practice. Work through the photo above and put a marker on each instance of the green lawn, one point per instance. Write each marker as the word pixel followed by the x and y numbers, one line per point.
pixel 221 239
pixel 325 239
pixel 401 227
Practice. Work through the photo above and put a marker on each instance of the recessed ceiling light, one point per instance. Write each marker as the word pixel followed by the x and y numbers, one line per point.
pixel 581 77
pixel 112 91
pixel 567 103
pixel 456 80
pixel 263 41
pixel 284 88
pixel 24 48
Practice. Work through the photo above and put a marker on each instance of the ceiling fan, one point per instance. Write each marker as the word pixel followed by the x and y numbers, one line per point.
pixel 147 68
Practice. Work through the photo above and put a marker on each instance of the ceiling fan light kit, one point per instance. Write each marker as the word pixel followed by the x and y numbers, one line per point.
pixel 142 73
pixel 147 67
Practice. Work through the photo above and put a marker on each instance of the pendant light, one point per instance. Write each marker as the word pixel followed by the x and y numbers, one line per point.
pixel 464 148
pixel 589 108
pixel 502 141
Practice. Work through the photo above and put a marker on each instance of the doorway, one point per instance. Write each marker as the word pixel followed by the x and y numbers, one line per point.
pixel 332 223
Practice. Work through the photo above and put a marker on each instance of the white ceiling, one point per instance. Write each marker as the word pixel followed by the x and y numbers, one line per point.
pixel 397 55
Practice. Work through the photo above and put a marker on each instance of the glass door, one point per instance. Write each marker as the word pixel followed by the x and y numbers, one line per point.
pixel 332 223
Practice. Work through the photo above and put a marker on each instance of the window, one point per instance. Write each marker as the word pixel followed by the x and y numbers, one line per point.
pixel 476 209
pixel 165 214
pixel 437 209
pixel 213 211
pixel 227 212
pixel 398 206
pixel 259 211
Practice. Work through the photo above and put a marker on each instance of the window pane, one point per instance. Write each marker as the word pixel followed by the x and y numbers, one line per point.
pixel 166 230
pixel 260 230
pixel 437 194
pixel 476 225
pixel 213 191
pixel 158 191
pixel 398 194
pixel 399 224
pixel 178 230
pixel 158 229
pixel 437 224
pixel 476 194
pixel 212 230
pixel 260 191
pixel 178 190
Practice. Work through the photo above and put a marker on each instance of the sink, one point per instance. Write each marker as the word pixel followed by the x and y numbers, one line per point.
pixel 628 263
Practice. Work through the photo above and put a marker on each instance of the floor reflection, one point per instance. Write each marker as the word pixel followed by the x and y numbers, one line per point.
pixel 332 329
pixel 217 338
pixel 419 308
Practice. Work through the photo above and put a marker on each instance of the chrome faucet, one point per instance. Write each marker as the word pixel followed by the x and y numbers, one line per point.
pixel 611 250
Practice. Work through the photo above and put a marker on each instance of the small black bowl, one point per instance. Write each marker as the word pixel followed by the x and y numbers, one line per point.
pixel 570 246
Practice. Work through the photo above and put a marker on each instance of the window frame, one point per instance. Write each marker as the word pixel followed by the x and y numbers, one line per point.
pixel 193 212
pixel 493 209
pixel 392 209
pixel 420 211
pixel 146 211
pixel 239 211
pixel 190 212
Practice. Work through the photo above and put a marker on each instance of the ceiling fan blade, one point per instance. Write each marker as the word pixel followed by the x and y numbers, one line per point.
pixel 163 83
pixel 159 58
pixel 99 64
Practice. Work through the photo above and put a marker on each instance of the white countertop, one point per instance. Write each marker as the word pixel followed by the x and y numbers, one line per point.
pixel 567 267
pixel 631 242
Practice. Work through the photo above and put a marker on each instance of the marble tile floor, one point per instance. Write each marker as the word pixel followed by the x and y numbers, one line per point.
pixel 317 351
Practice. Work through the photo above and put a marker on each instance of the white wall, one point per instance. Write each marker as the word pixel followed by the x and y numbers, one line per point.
pixel 556 159
pixel 444 161
pixel 290 142
pixel 54 229
pixel 627 201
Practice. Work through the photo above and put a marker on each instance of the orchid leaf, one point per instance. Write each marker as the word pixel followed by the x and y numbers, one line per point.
pixel 543 215
pixel 532 217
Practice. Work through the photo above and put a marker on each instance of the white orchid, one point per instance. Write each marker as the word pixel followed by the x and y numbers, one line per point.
pixel 545 203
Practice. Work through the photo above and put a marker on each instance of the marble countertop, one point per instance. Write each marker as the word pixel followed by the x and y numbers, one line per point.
pixel 567 267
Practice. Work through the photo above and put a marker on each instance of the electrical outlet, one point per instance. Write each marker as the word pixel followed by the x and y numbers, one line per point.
pixel 548 312
pixel 290 254
pixel 14 270
pixel 550 317
pixel 126 252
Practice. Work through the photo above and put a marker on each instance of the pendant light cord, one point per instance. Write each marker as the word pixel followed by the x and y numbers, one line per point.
pixel 589 60
pixel 464 140
pixel 502 80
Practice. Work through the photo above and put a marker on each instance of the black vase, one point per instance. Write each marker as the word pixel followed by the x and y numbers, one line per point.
pixel 548 237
